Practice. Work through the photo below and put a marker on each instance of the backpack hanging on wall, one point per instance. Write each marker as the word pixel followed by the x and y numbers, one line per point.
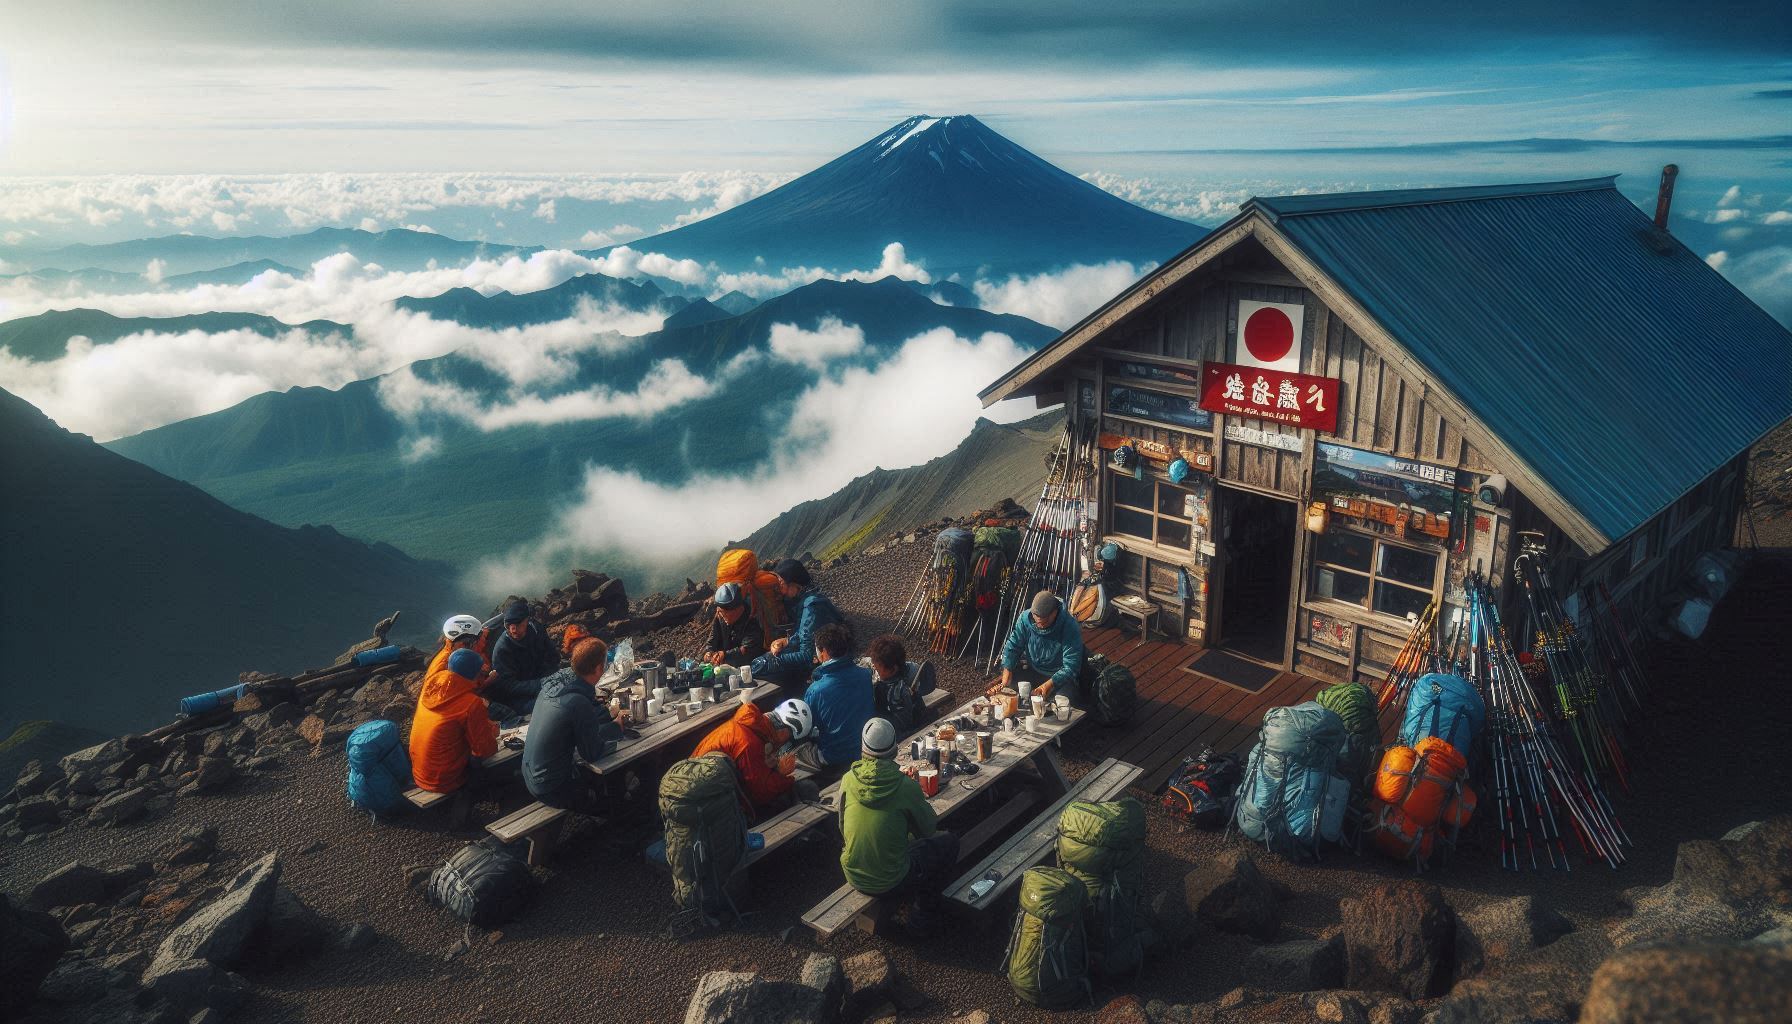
pixel 1103 845
pixel 483 884
pixel 1047 961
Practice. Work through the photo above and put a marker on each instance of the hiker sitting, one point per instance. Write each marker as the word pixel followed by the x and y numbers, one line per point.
pixel 452 729
pixel 460 633
pixel 569 719
pixel 735 636
pixel 897 685
pixel 841 700
pixel 789 659
pixel 893 848
pixel 1051 644
pixel 757 742
pixel 522 658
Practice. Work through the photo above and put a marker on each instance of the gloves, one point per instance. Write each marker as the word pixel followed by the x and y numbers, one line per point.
pixel 787 765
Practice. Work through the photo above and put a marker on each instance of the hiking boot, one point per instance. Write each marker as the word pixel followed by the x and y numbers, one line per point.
pixel 919 922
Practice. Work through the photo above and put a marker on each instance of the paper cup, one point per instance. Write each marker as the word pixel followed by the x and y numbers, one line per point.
pixel 1033 725
pixel 660 693
pixel 1061 705
pixel 653 707
pixel 986 742
pixel 1025 690
pixel 1038 705
pixel 929 778
pixel 1008 724
pixel 1000 710
pixel 746 677
pixel 683 712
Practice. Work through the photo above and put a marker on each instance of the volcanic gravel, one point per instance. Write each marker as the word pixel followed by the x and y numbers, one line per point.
pixel 591 946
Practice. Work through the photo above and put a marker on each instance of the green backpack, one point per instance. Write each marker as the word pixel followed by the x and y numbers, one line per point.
pixel 1356 706
pixel 706 834
pixel 1110 689
pixel 1048 952
pixel 1103 845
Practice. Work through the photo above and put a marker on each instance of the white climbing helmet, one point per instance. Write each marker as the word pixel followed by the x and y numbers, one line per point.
pixel 795 715
pixel 461 626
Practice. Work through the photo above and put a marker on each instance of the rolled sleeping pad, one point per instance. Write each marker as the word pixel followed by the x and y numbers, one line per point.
pixel 200 703
pixel 378 656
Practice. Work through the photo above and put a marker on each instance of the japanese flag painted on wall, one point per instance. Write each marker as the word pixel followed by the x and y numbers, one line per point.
pixel 1269 335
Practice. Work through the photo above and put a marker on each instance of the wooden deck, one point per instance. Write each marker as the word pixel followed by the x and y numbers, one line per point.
pixel 1180 711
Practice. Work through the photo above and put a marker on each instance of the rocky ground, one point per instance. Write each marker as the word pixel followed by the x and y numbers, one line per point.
pixel 262 868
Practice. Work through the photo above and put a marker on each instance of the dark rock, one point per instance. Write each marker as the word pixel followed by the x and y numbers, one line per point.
pixel 1172 923
pixel 36 777
pixel 1300 966
pixel 220 930
pixel 216 743
pixel 80 934
pixel 85 781
pixel 376 692
pixel 71 884
pixel 1400 938
pixel 194 983
pixel 730 997
pixel 77 802
pixel 30 944
pixel 1229 893
pixel 356 937
pixel 121 880
pixel 1696 982
pixel 120 808
pixel 37 810
pixel 1535 991
pixel 870 977
pixel 95 758
pixel 291 931
pixel 822 973
pixel 107 784
pixel 82 981
pixel 587 582
pixel 1123 1010
pixel 1496 932
pixel 194 846
pixel 1753 869
pixel 212 773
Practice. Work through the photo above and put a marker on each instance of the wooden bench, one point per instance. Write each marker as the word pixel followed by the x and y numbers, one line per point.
pixel 1032 844
pixel 423 799
pixel 538 823
pixel 1131 606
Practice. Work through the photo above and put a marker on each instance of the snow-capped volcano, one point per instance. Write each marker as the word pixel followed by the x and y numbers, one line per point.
pixel 957 195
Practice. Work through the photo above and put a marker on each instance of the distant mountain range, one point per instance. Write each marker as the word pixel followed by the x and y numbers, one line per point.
pixel 561 302
pixel 45 337
pixel 315 455
pixel 956 194
pixel 396 249
pixel 125 590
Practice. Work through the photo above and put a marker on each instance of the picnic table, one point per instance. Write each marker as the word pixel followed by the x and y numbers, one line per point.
pixel 665 731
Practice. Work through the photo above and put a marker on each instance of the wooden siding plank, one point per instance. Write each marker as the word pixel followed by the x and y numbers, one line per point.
pixel 1410 438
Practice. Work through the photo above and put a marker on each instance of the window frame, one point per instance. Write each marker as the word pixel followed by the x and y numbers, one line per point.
pixel 1374 576
pixel 1157 484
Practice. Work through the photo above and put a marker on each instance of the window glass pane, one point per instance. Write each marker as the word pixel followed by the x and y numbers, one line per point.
pixel 1128 491
pixel 1338 585
pixel 1169 500
pixel 1340 547
pixel 1134 524
pixel 1173 534
pixel 1418 568
pixel 1401 601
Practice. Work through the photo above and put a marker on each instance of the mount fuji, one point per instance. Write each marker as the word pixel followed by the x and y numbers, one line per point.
pixel 959 197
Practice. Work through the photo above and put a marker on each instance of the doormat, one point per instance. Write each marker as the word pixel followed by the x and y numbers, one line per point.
pixel 1233 670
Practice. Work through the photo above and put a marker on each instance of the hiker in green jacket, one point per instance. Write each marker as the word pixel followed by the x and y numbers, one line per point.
pixel 893 847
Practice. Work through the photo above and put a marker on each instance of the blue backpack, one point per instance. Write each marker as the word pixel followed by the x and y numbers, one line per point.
pixel 1446 706
pixel 379 769
pixel 1292 798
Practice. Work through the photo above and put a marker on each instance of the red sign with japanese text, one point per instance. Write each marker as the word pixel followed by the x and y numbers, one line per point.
pixel 1297 399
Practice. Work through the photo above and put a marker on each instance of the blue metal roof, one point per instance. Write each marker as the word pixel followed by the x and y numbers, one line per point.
pixel 1624 371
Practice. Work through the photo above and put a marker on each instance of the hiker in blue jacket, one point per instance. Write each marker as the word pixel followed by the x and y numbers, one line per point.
pixel 1050 642
pixel 790 660
pixel 841 699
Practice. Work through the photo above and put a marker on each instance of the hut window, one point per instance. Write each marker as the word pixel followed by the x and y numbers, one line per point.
pixel 1151 510
pixel 1372 573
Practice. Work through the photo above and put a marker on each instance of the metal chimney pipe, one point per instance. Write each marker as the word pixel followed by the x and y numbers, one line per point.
pixel 1665 197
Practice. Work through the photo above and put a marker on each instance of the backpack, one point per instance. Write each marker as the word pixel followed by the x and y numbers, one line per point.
pixel 1113 693
pixel 899 700
pixel 1420 794
pixel 953 546
pixel 483 884
pixel 993 550
pixel 741 565
pixel 1202 788
pixel 1292 797
pixel 379 768
pixel 1047 961
pixel 1445 706
pixel 1103 845
pixel 1356 706
pixel 706 832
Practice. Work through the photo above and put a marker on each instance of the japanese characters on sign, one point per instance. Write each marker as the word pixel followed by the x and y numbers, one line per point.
pixel 1297 399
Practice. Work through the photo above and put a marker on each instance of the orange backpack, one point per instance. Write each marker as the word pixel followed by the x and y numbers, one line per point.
pixel 1420 791
pixel 740 565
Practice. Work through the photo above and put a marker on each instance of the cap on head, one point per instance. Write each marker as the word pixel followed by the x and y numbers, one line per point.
pixel 516 611
pixel 879 739
pixel 793 572
pixel 1045 604
pixel 729 595
pixel 461 626
pixel 466 663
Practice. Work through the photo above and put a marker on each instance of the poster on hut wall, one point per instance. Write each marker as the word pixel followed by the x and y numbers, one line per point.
pixel 1296 399
pixel 1157 406
pixel 1374 487
pixel 1155 373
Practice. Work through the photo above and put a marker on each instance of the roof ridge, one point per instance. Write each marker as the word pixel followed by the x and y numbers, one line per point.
pixel 1278 207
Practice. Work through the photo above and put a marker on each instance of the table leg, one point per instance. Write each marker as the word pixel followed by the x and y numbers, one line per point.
pixel 1051 770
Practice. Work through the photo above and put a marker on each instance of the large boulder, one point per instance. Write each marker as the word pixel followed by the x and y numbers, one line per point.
pixel 1228 892
pixel 1733 983
pixel 121 807
pixel 1751 870
pixel 1533 991
pixel 1496 932
pixel 1300 966
pixel 195 984
pixel 193 846
pixel 732 997
pixel 30 944
pixel 1400 938
pixel 823 974
pixel 70 885
pixel 35 811
pixel 219 931
pixel 212 773
pixel 870 979
pixel 1123 1010
pixel 291 931
pixel 36 777
pixel 95 758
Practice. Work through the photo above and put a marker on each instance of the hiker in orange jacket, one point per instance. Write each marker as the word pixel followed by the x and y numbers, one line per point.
pixel 452 727
pixel 459 633
pixel 756 741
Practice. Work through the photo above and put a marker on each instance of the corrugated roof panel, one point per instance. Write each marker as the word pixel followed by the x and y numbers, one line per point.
pixel 1623 375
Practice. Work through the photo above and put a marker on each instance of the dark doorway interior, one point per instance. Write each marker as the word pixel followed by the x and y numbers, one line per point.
pixel 1258 538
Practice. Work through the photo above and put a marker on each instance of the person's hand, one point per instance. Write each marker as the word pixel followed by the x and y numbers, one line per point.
pixel 994 688
pixel 787 765
pixel 1043 690
pixel 778 645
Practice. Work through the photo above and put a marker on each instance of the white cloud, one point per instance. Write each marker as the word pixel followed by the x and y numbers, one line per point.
pixel 840 428
pixel 1718 259
pixel 894 262
pixel 1062 297
pixel 1725 216
pixel 421 448
pixel 1778 217
pixel 830 340
pixel 1731 196
pixel 155 270
pixel 732 194
pixel 1764 275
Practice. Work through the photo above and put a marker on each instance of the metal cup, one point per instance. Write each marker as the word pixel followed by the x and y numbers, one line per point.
pixel 1025 690
pixel 985 745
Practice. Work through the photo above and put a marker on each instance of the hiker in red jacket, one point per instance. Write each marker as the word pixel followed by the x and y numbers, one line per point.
pixel 756 740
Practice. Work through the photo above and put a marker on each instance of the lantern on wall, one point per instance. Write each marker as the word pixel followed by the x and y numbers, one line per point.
pixel 1318 517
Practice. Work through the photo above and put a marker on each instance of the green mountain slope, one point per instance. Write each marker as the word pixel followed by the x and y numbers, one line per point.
pixel 507 309
pixel 44 337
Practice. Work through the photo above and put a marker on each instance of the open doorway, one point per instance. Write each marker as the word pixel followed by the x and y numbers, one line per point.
pixel 1257 542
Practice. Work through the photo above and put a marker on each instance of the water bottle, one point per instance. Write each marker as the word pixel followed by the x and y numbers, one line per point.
pixel 378 656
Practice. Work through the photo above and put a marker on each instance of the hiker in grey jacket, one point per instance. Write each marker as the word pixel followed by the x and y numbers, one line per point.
pixel 569 719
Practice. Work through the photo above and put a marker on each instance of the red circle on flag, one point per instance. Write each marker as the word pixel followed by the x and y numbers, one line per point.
pixel 1269 335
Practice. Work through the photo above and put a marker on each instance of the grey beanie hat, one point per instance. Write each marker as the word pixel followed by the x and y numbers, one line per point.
pixel 1045 603
pixel 879 739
